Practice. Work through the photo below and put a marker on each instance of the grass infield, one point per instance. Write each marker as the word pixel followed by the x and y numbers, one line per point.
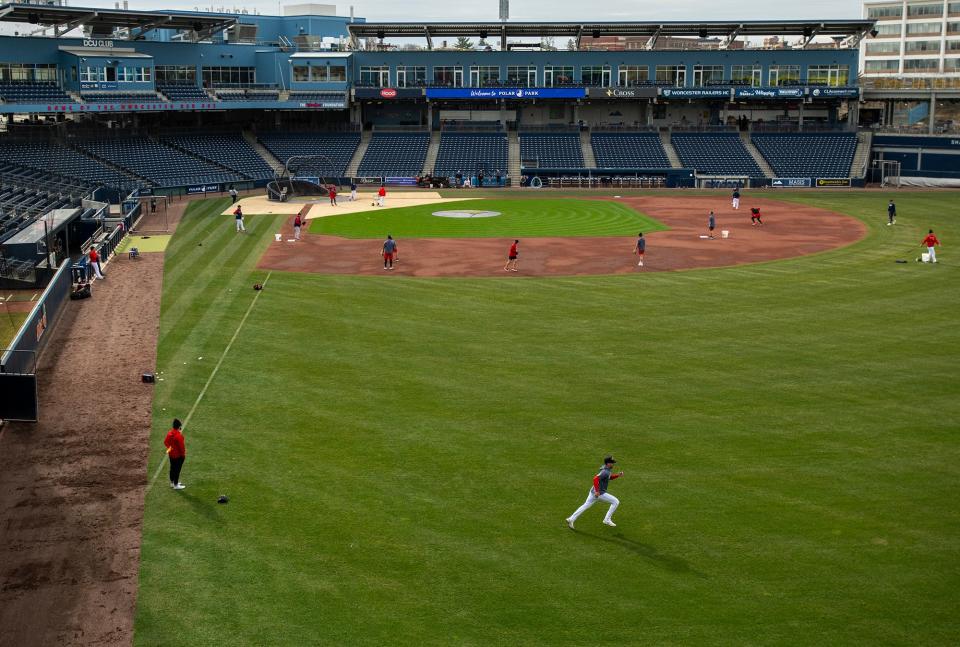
pixel 521 218
pixel 400 453
pixel 10 323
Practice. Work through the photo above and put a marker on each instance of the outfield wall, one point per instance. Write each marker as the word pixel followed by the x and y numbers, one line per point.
pixel 37 329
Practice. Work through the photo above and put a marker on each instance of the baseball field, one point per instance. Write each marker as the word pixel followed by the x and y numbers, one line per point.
pixel 400 450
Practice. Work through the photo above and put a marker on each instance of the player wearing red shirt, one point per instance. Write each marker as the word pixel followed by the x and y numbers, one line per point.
pixel 512 255
pixel 333 195
pixel 95 263
pixel 930 242
pixel 382 196
pixel 177 452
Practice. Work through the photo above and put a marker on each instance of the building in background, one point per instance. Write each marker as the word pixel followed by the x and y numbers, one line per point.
pixel 910 64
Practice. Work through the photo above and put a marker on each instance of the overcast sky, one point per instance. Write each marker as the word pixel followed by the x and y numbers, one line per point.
pixel 545 10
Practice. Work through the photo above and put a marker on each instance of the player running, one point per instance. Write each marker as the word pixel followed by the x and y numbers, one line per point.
pixel 891 214
pixel 513 256
pixel 598 492
pixel 755 218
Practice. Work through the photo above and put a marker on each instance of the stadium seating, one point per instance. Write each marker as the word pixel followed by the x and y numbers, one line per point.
pixel 231 151
pixel 339 147
pixel 248 95
pixel 317 96
pixel 32 92
pixel 553 150
pixel 395 154
pixel 629 150
pixel 715 154
pixel 470 152
pixel 808 154
pixel 119 97
pixel 183 92
pixel 57 158
pixel 160 164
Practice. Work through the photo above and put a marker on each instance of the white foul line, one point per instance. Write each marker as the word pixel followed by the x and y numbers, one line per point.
pixel 216 368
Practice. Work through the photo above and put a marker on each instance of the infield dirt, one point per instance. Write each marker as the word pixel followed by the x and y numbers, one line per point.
pixel 789 230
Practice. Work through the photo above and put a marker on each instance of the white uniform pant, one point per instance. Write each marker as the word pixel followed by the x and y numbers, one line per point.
pixel 736 203
pixel 95 268
pixel 593 498
pixel 380 200
pixel 296 233
pixel 353 196
pixel 240 226
pixel 933 254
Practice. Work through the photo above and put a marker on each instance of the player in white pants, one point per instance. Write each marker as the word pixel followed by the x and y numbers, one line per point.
pixel 598 492
pixel 736 198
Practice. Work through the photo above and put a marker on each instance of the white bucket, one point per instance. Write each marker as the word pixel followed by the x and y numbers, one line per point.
pixel 925 257
pixel 278 237
pixel 724 233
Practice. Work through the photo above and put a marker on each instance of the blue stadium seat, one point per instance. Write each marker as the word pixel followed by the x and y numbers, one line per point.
pixel 33 92
pixel 232 151
pixel 715 154
pixel 159 164
pixel 629 150
pixel 55 157
pixel 119 97
pixel 471 152
pixel 183 92
pixel 395 154
pixel 339 147
pixel 553 150
pixel 808 154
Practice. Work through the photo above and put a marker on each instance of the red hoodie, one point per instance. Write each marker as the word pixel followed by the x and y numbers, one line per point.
pixel 930 241
pixel 174 444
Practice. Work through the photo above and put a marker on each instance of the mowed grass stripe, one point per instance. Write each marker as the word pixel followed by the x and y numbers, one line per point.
pixel 400 455
pixel 518 219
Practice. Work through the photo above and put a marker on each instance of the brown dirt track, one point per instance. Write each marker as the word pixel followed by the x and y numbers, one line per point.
pixel 789 230
pixel 72 486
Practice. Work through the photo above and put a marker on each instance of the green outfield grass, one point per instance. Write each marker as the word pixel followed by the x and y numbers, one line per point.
pixel 523 218
pixel 400 453
pixel 10 323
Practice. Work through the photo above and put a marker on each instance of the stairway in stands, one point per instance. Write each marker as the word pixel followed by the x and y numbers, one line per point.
pixel 262 151
pixel 755 154
pixel 670 150
pixel 354 165
pixel 513 157
pixel 861 157
pixel 589 160
pixel 433 150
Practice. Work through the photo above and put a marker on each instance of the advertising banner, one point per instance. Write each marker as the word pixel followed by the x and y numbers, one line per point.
pixel 99 85
pixel 623 93
pixel 401 181
pixel 203 188
pixel 833 181
pixel 768 93
pixel 387 93
pixel 835 93
pixel 784 182
pixel 695 93
pixel 506 93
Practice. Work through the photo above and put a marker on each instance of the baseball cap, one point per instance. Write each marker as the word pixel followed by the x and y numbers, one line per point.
pixel 608 459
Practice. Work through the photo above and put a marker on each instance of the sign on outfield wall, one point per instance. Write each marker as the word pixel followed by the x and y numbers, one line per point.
pixel 506 93
pixel 833 181
pixel 783 182
pixel 203 188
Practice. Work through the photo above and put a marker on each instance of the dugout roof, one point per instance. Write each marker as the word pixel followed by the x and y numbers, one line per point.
pixel 104 21
pixel 809 29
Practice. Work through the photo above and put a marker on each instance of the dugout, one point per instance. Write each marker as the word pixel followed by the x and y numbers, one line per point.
pixel 30 256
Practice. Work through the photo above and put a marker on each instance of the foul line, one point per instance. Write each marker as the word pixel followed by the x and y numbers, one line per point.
pixel 216 368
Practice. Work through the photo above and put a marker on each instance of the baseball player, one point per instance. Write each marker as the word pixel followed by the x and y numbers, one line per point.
pixel 640 248
pixel 930 242
pixel 353 191
pixel 598 492
pixel 891 214
pixel 513 256
pixel 711 224
pixel 297 224
pixel 389 252
pixel 736 198
pixel 755 218
pixel 238 217
pixel 382 196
